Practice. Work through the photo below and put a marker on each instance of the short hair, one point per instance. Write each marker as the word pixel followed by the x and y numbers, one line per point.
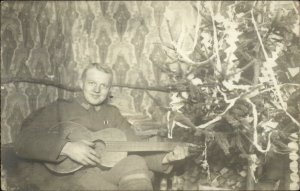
pixel 99 66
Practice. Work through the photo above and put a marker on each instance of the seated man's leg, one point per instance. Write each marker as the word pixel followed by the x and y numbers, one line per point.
pixel 92 179
pixel 35 175
pixel 87 179
pixel 131 173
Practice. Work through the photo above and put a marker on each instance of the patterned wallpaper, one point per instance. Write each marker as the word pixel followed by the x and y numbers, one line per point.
pixel 56 39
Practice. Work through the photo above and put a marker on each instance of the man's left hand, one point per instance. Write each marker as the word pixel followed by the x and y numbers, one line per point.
pixel 179 153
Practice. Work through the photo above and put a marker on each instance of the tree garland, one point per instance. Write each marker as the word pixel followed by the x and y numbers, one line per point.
pixel 249 109
pixel 294 157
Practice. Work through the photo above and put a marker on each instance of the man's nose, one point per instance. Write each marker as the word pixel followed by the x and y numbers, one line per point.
pixel 97 88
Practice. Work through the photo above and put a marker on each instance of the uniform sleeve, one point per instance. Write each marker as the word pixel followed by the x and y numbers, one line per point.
pixel 37 140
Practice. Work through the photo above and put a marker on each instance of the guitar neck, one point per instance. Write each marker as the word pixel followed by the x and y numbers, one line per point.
pixel 117 146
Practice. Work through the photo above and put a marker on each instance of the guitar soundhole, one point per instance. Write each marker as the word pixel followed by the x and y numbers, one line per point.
pixel 100 147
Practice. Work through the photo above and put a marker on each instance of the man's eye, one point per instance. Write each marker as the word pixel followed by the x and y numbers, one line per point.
pixel 103 86
pixel 91 83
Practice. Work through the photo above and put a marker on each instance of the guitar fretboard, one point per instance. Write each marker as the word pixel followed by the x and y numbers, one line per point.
pixel 118 146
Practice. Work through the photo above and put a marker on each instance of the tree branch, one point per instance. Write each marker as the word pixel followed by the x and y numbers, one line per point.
pixel 170 32
pixel 242 69
pixel 47 82
pixel 218 66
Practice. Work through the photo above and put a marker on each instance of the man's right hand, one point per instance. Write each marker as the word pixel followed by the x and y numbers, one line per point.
pixel 82 152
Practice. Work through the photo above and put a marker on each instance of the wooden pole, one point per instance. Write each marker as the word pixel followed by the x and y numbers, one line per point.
pixel 250 185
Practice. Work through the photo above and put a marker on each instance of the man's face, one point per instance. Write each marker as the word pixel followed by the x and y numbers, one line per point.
pixel 95 86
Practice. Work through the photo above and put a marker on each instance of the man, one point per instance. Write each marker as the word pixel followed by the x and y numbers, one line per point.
pixel 37 141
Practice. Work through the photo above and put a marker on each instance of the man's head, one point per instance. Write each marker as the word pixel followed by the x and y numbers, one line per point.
pixel 96 81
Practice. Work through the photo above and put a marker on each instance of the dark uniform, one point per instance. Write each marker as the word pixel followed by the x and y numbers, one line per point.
pixel 37 142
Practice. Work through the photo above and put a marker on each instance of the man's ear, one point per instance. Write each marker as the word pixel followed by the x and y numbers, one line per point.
pixel 81 84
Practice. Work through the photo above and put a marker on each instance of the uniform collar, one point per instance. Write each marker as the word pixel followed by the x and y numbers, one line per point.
pixel 82 101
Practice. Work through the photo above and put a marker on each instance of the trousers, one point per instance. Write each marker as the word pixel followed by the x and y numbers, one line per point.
pixel 131 173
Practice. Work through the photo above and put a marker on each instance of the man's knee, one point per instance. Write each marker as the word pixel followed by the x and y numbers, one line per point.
pixel 131 173
pixel 137 181
pixel 135 161
pixel 132 164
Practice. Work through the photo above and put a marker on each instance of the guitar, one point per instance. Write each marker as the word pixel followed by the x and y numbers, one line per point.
pixel 110 144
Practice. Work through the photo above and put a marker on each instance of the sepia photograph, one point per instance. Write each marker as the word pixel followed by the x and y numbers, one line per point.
pixel 150 95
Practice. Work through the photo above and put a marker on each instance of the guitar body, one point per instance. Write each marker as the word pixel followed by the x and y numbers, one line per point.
pixel 77 132
pixel 111 145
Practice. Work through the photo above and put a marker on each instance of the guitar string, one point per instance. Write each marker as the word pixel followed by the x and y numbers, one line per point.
pixel 139 144
pixel 161 144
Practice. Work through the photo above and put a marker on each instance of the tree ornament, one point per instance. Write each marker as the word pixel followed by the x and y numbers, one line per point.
pixel 294 166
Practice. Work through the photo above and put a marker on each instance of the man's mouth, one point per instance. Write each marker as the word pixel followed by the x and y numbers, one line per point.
pixel 95 96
